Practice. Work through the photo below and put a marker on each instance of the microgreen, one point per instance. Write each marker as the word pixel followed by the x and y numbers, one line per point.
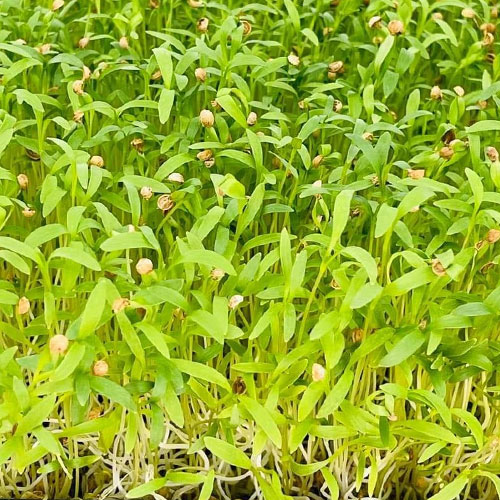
pixel 249 250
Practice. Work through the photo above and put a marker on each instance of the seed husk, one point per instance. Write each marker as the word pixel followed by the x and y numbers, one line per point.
pixel 446 152
pixel 78 116
pixel 29 212
pixel 375 22
pixel 202 25
pixel 468 13
pixel 396 27
pixel 23 306
pixel 23 181
pixel 293 59
pixel 78 87
pixel 96 161
pixel 58 344
pixel 438 268
pixel 144 266
pixel 252 118
pixel 83 42
pixel 318 372
pixel 436 93
pixel 493 235
pixel 123 43
pixel 207 118
pixel 239 386
pixel 205 155
pixel 492 153
pixel 235 301
pixel 217 274
pixel 416 174
pixel 176 177
pixel 137 144
pixel 100 368
pixel 57 4
pixel 120 304
pixel 247 27
pixel 200 74
pixel 165 203
pixel 336 67
pixel 146 192
pixel 317 161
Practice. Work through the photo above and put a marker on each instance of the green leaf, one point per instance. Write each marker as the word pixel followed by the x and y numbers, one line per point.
pixel 94 308
pixel 331 483
pixel 365 295
pixel 472 423
pixel 293 14
pixel 125 241
pixel 229 453
pixel 208 484
pixel 252 209
pixel 29 98
pixel 311 36
pixel 263 418
pixel 476 186
pixel 413 279
pixel 383 52
pixel 201 371
pixel 15 261
pixel 484 126
pixel 165 104
pixel 427 431
pixel 155 294
pixel 207 258
pixel 172 165
pixel 403 349
pixel 156 338
pixel 137 103
pixel 431 451
pixel 253 367
pixel 337 394
pixel 70 362
pixel 210 324
pixel 147 488
pixel 173 407
pixel 36 416
pixel 184 477
pixel 386 217
pixel 18 67
pixel 139 181
pixel 76 255
pixel 452 490
pixel 18 247
pixel 309 399
pixel 232 109
pixel 164 60
pixel 47 440
pixel 285 254
pixel 130 336
pixel 413 199
pixel 42 234
pixel 113 391
pixel 365 259
pixel 324 325
pixel 89 427
pixel 341 212
pixel 8 448
pixel 9 298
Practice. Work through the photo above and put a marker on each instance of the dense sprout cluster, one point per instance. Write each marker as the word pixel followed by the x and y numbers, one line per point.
pixel 249 250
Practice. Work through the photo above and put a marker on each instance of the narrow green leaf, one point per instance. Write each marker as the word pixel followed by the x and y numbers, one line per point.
pixel 229 453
